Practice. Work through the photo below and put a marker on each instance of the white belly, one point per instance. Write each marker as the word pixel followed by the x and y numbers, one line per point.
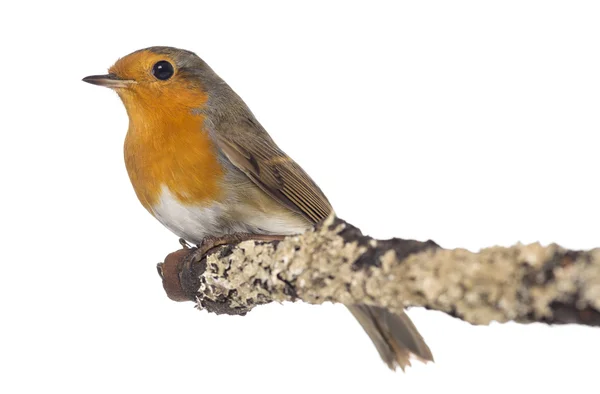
pixel 193 222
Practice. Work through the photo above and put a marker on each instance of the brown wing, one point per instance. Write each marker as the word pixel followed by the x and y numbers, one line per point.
pixel 253 152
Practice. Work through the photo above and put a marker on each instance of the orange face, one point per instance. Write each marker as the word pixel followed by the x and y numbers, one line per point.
pixel 156 84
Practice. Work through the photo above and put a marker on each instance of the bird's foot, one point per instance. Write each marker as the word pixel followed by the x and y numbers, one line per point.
pixel 184 243
pixel 188 275
pixel 211 242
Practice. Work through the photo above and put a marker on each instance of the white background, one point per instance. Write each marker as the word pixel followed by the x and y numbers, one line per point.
pixel 465 122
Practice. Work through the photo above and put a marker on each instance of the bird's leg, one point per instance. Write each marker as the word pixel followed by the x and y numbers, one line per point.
pixel 184 243
pixel 210 242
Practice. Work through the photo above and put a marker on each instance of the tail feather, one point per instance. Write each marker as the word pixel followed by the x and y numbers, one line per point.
pixel 394 335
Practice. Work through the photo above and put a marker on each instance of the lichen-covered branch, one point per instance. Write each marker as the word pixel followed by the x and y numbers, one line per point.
pixel 336 263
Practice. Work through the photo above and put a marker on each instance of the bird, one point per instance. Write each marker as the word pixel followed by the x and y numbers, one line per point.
pixel 201 163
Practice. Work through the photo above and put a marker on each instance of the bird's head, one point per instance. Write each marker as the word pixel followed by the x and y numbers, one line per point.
pixel 159 79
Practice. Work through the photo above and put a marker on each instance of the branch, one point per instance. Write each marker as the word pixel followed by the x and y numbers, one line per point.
pixel 336 263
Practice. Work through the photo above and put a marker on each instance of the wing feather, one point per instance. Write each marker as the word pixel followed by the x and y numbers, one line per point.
pixel 274 172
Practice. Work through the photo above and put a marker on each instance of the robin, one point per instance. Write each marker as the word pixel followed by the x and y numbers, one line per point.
pixel 201 164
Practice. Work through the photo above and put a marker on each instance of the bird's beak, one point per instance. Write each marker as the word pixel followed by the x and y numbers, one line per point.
pixel 109 81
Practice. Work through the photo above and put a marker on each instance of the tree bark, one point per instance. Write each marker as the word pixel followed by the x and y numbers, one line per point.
pixel 336 263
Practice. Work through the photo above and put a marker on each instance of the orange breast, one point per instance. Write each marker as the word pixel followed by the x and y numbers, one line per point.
pixel 163 150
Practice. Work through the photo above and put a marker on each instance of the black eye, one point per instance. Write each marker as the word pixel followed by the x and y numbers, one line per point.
pixel 163 70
